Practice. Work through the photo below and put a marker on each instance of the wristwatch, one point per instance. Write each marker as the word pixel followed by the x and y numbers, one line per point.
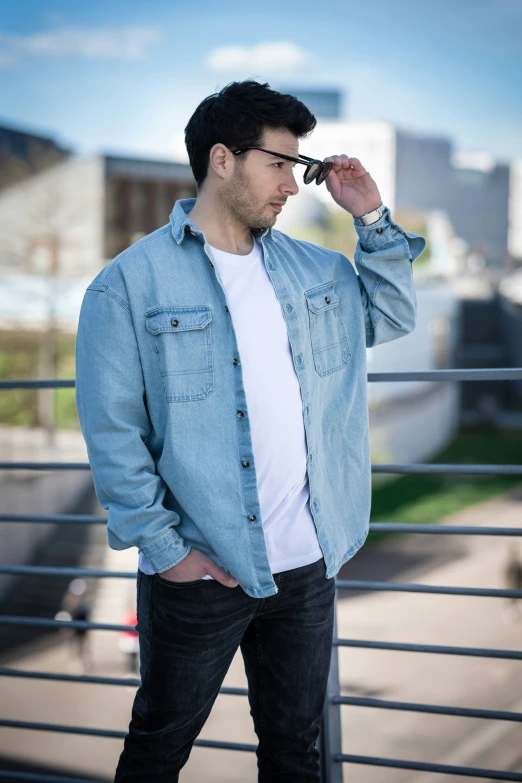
pixel 370 217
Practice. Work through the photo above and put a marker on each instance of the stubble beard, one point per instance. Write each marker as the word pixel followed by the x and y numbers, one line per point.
pixel 240 203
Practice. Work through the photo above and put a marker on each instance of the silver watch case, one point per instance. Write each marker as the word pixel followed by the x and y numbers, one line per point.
pixel 370 217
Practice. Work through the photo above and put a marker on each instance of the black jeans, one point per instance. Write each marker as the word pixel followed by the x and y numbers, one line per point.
pixel 189 633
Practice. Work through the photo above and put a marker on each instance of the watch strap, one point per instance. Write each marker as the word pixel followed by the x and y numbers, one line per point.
pixel 370 217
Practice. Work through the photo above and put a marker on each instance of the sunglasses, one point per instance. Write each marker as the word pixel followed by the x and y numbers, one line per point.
pixel 315 169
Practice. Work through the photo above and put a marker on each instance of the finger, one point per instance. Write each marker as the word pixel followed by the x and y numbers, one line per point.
pixel 356 164
pixel 219 575
pixel 336 160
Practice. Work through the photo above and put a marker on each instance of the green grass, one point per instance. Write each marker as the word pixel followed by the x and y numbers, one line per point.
pixel 425 499
pixel 19 359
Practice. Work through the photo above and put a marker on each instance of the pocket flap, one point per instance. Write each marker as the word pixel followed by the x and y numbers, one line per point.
pixel 321 298
pixel 177 318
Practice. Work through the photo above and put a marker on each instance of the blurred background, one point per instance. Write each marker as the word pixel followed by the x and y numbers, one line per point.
pixel 93 102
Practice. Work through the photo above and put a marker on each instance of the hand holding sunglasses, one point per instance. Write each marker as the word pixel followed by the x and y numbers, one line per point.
pixel 351 186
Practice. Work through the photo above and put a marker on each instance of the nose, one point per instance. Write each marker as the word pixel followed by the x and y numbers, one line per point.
pixel 291 187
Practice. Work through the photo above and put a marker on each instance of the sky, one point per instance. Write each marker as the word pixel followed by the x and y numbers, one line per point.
pixel 124 76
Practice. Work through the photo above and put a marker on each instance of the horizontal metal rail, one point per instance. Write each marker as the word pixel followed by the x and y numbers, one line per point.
pixel 452 530
pixel 432 709
pixel 85 730
pixel 437 649
pixel 409 587
pixel 95 573
pixel 341 584
pixel 423 766
pixel 338 757
pixel 56 519
pixel 44 622
pixel 414 468
pixel 40 778
pixel 434 468
pixel 478 374
pixel 355 701
pixel 384 527
pixel 467 771
pixel 93 680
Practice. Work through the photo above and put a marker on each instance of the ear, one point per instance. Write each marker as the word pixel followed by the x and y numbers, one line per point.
pixel 221 160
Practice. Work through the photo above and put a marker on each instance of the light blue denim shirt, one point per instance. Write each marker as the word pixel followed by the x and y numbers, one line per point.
pixel 162 404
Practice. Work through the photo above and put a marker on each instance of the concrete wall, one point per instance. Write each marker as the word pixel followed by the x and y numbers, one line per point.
pixel 372 142
pixel 515 210
pixel 55 492
pixel 424 175
pixel 478 204
pixel 55 213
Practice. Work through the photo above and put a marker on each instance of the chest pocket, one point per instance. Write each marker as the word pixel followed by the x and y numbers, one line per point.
pixel 330 348
pixel 182 338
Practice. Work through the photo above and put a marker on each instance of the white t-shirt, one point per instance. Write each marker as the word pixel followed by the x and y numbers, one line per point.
pixel 274 408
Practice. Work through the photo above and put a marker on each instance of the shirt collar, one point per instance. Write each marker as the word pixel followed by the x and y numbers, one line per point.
pixel 180 220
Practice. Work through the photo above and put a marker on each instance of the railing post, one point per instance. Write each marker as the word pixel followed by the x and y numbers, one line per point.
pixel 330 740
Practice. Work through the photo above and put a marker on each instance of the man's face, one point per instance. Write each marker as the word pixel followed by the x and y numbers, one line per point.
pixel 261 181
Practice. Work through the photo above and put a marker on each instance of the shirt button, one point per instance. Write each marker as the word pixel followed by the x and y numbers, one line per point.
pixel 252 517
pixel 327 299
pixel 174 322
pixel 240 414
pixel 289 308
pixel 245 463
pixel 298 359
pixel 379 230
pixel 226 309
pixel 235 361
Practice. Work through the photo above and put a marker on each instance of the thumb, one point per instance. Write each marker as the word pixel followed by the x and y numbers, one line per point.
pixel 219 575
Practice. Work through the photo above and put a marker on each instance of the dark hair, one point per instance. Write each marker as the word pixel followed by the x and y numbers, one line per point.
pixel 237 116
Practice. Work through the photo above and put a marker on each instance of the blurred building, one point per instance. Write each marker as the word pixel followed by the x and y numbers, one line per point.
pixel 323 103
pixel 515 210
pixel 23 154
pixel 72 218
pixel 422 173
pixel 479 205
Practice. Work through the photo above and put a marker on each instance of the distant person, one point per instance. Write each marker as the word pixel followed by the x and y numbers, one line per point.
pixel 129 643
pixel 75 606
pixel 513 581
pixel 221 385
pixel 488 409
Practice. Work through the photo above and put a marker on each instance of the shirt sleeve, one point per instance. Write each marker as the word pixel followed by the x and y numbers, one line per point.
pixel 110 400
pixel 383 259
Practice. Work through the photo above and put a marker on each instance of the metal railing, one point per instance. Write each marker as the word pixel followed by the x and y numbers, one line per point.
pixel 332 756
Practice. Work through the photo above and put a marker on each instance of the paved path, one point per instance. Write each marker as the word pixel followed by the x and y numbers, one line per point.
pixel 400 617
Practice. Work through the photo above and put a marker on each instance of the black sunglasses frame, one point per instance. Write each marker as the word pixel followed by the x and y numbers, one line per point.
pixel 323 169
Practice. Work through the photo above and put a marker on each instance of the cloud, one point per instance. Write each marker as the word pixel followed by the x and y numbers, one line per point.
pixel 125 43
pixel 6 59
pixel 265 56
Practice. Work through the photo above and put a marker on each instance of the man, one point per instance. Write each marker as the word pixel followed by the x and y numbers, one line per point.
pixel 221 389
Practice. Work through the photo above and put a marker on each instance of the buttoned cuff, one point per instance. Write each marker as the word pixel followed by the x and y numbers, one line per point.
pixel 168 551
pixel 385 232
